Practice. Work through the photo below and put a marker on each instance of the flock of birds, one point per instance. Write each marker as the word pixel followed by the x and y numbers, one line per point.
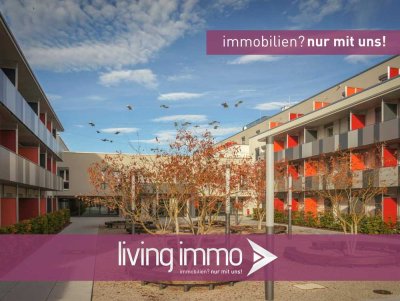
pixel 215 124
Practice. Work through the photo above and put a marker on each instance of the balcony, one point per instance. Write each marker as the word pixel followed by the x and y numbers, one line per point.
pixel 370 134
pixel 19 170
pixel 13 101
pixel 380 177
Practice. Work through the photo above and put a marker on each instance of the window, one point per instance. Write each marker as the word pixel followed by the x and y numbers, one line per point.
pixel 257 154
pixel 243 140
pixel 258 132
pixel 329 130
pixel 64 174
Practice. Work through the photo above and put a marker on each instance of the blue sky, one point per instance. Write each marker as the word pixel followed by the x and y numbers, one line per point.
pixel 93 58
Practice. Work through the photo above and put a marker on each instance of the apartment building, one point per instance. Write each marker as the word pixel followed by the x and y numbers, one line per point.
pixel 30 148
pixel 358 113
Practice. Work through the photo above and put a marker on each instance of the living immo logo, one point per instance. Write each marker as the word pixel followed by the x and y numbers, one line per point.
pixel 200 257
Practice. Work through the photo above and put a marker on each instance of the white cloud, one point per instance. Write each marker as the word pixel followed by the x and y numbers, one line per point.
pixel 188 118
pixel 121 130
pixel 273 105
pixel 314 11
pixel 248 59
pixel 144 77
pixel 167 136
pixel 234 4
pixel 87 35
pixel 163 137
pixel 95 97
pixel 179 77
pixel 359 58
pixel 179 96
pixel 53 97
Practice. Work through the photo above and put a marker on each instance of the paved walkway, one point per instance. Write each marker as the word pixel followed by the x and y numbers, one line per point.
pixel 51 291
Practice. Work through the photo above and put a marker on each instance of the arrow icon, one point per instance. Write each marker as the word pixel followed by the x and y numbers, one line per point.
pixel 261 257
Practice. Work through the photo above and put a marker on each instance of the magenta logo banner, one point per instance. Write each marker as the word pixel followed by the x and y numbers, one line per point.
pixel 303 42
pixel 199 258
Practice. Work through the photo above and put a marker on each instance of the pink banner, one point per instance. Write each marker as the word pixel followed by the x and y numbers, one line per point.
pixel 199 258
pixel 296 42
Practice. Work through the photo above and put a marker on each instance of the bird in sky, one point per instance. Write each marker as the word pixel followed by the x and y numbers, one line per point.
pixel 117 132
pixel 91 124
pixel 175 124
pixel 157 139
pixel 98 132
pixel 186 123
pixel 213 122
pixel 104 140
pixel 225 105
pixel 196 126
pixel 130 108
pixel 215 127
pixel 238 103
pixel 111 141
pixel 164 106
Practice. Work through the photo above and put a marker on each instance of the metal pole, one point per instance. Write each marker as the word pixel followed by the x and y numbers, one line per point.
pixel 227 201
pixel 237 207
pixel 269 206
pixel 133 204
pixel 290 188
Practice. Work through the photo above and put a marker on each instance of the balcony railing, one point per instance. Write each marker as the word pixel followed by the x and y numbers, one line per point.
pixel 370 134
pixel 14 101
pixel 17 169
pixel 379 177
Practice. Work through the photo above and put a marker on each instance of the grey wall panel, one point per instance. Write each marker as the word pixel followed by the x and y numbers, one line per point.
pixel 389 130
pixel 352 139
pixel 306 150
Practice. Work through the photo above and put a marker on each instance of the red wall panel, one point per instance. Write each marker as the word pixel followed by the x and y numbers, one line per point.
pixel 292 141
pixel 28 208
pixel 8 139
pixel 293 170
pixel 48 163
pixel 49 125
pixel 389 210
pixel 42 118
pixel 295 205
pixel 393 72
pixel 294 115
pixel 54 166
pixel 357 121
pixel 54 204
pixel 8 211
pixel 279 145
pixel 389 157
pixel 43 205
pixel 278 204
pixel 30 153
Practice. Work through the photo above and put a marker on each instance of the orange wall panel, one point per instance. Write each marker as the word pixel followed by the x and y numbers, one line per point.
pixel 310 206
pixel 8 211
pixel 357 161
pixel 320 104
pixel 348 91
pixel 310 168
pixel 274 124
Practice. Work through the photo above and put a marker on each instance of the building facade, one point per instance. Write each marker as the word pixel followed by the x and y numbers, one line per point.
pixel 30 148
pixel 359 114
